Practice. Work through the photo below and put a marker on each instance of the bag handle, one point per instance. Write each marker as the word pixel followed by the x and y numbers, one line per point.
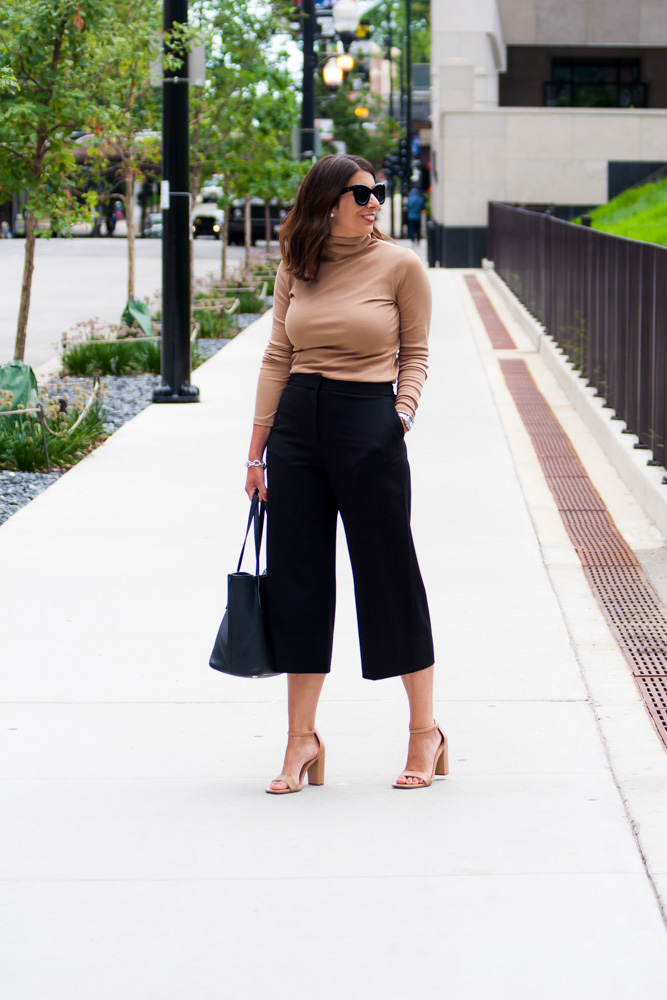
pixel 257 511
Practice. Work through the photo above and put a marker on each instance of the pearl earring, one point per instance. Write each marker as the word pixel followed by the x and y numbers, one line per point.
pixel 332 215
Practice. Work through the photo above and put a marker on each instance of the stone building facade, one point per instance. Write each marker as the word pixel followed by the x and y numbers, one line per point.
pixel 559 102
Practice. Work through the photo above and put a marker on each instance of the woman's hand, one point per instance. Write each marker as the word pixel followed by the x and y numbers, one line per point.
pixel 255 481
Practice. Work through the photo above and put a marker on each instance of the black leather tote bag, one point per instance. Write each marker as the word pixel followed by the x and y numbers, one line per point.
pixel 243 645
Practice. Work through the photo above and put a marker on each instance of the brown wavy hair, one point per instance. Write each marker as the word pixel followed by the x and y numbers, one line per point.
pixel 306 225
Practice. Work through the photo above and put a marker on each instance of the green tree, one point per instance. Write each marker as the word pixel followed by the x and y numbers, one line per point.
pixel 47 68
pixel 372 137
pixel 129 140
pixel 243 117
pixel 260 152
pixel 388 13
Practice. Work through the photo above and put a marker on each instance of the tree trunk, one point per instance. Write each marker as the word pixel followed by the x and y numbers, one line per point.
pixel 195 179
pixel 31 221
pixel 129 219
pixel 247 226
pixel 28 268
pixel 267 223
pixel 144 207
pixel 224 236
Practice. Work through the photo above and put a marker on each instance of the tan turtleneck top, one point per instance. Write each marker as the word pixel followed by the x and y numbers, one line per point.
pixel 365 319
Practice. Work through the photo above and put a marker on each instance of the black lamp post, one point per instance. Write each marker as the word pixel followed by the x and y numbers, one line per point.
pixel 176 244
pixel 346 18
pixel 408 96
pixel 309 66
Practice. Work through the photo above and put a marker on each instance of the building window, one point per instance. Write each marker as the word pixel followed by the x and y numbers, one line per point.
pixel 595 83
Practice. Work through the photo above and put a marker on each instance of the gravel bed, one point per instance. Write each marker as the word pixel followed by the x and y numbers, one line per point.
pixel 19 488
pixel 245 319
pixel 123 397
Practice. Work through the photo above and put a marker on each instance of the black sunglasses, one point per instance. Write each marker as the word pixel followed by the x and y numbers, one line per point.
pixel 362 194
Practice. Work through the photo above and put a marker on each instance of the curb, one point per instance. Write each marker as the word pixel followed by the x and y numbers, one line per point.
pixel 643 481
pixel 48 370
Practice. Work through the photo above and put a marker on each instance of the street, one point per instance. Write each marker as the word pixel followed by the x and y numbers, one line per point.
pixel 81 278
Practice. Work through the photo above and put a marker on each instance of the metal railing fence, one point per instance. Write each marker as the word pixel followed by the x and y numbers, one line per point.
pixel 603 299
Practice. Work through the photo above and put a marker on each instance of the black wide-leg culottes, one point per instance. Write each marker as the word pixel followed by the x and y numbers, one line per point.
pixel 336 447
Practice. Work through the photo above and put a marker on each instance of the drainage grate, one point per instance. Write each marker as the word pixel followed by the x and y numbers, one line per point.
pixel 498 335
pixel 633 610
pixel 654 693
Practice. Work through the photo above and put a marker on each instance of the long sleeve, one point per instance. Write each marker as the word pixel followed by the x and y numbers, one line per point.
pixel 277 360
pixel 365 319
pixel 413 296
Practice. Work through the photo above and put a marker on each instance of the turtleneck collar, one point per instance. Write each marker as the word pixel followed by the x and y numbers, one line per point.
pixel 339 247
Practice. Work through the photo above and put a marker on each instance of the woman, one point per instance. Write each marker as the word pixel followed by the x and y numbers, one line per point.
pixel 346 302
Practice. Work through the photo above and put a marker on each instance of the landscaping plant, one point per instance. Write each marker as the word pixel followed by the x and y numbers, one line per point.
pixel 71 432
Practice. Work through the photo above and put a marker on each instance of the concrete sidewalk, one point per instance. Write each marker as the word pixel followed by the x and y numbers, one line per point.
pixel 139 854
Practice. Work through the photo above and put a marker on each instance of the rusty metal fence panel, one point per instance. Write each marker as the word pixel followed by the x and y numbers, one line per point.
pixel 603 299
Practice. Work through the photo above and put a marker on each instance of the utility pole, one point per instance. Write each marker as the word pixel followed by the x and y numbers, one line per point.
pixel 408 100
pixel 176 243
pixel 307 146
pixel 391 176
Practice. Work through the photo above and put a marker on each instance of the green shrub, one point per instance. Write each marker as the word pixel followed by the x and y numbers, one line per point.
pixel 98 357
pixel 22 446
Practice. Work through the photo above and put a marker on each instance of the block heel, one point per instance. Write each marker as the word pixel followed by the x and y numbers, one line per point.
pixel 314 768
pixel 440 761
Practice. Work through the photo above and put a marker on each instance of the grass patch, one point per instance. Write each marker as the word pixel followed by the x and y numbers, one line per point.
pixel 639 214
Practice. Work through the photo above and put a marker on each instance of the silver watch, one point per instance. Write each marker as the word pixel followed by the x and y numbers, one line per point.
pixel 407 420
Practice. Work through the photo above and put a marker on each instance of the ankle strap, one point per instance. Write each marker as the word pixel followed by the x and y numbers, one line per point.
pixel 311 732
pixel 428 729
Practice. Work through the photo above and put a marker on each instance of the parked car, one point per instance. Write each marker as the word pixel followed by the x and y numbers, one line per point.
pixel 153 227
pixel 211 193
pixel 257 220
pixel 207 220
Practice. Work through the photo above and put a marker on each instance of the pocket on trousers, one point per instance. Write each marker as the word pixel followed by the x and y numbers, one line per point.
pixel 399 422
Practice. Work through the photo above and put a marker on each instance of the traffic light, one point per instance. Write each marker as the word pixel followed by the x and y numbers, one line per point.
pixel 404 157
pixel 392 164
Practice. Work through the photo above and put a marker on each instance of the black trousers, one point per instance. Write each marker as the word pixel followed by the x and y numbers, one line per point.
pixel 338 447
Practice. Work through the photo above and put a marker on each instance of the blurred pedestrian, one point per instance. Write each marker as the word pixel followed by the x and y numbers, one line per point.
pixel 415 206
pixel 5 231
pixel 351 316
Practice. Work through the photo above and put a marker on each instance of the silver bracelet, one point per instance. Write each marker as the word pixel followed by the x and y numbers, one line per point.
pixel 256 463
pixel 407 420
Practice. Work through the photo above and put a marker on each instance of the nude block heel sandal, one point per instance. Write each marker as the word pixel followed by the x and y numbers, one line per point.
pixel 440 761
pixel 314 768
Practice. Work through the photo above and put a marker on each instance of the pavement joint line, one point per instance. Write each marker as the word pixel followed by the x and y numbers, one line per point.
pixel 324 701
pixel 528 873
pixel 494 366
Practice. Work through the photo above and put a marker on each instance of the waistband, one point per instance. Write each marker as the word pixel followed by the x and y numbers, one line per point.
pixel 314 381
